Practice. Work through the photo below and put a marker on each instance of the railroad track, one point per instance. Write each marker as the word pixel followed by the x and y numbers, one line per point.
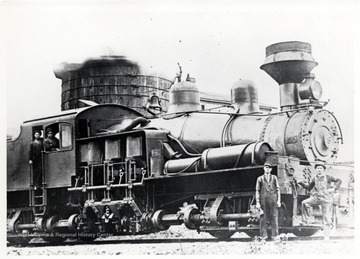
pixel 121 240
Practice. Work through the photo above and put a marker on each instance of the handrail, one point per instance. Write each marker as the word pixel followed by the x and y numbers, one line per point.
pixel 128 173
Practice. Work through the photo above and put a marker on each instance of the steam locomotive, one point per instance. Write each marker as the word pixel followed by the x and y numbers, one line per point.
pixel 122 171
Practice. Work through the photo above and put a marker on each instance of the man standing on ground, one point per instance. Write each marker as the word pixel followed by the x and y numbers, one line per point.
pixel 268 199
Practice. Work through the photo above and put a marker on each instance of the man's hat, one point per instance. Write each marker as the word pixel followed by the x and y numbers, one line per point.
pixel 320 163
pixel 49 130
pixel 37 131
pixel 267 163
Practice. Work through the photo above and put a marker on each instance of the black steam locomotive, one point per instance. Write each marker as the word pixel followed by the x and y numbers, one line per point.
pixel 120 170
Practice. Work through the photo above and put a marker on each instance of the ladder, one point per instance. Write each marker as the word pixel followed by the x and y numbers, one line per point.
pixel 38 201
pixel 37 195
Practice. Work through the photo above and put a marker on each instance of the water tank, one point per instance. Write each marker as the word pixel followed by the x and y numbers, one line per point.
pixel 112 79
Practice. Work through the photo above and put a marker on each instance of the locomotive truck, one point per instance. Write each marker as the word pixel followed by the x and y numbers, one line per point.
pixel 120 172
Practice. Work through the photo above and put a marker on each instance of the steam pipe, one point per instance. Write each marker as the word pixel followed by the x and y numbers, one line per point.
pixel 137 121
pixel 182 147
pixel 221 158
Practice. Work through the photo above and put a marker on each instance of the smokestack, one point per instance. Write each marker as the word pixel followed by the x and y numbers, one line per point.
pixel 289 64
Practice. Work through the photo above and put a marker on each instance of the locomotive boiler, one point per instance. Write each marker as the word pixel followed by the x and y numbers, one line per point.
pixel 120 172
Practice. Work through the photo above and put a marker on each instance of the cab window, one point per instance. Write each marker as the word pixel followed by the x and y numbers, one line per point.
pixel 65 136
pixel 60 137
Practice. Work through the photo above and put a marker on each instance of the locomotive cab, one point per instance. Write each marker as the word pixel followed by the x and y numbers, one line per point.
pixel 58 165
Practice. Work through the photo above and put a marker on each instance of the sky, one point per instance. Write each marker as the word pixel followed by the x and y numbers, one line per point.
pixel 217 43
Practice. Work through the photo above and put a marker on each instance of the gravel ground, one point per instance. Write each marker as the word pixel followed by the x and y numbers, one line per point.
pixel 179 241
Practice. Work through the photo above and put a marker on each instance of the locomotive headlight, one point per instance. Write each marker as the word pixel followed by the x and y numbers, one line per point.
pixel 316 90
pixel 310 89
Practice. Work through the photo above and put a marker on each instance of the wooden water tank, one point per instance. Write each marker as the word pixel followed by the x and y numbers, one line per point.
pixel 112 79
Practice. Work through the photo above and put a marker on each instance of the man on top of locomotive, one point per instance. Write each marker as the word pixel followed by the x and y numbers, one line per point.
pixel 321 195
pixel 51 143
pixel 268 199
pixel 35 160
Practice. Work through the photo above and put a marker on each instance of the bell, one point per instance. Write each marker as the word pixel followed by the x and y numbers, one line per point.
pixel 154 103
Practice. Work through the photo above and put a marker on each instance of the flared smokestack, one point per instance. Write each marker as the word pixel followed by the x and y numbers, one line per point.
pixel 289 64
